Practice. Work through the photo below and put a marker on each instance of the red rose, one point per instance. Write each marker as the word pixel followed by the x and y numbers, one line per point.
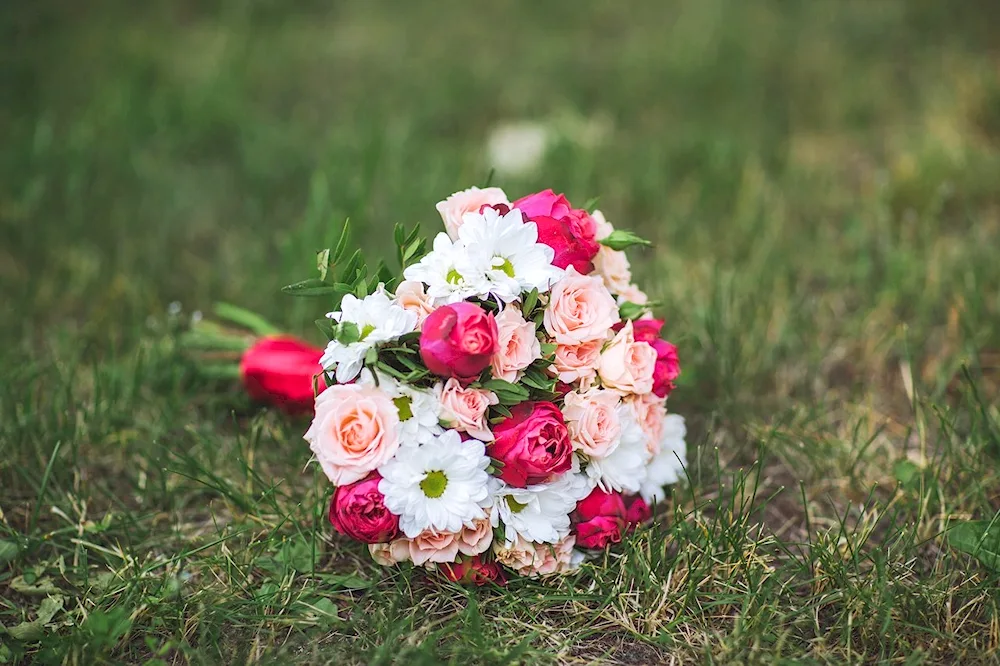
pixel 474 570
pixel 599 519
pixel 458 341
pixel 279 370
pixel 667 367
pixel 569 231
pixel 636 511
pixel 358 510
pixel 532 443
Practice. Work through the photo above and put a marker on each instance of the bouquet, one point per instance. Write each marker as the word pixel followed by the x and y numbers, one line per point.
pixel 502 409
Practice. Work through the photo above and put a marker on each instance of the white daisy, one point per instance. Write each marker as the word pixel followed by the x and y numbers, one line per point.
pixel 440 485
pixel 668 465
pixel 378 318
pixel 446 272
pixel 539 513
pixel 505 250
pixel 624 469
pixel 419 410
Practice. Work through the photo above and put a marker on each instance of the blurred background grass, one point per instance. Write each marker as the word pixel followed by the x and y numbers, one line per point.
pixel 821 179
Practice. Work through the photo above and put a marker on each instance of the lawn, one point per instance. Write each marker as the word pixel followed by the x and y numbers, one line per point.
pixel 822 183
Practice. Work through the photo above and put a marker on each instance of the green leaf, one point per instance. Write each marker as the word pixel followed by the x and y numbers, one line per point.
pixel 345 581
pixel 34 588
pixel 619 239
pixel 346 332
pixel 530 301
pixel 906 472
pixel 979 538
pixel 35 630
pixel 341 247
pixel 591 204
pixel 310 287
pixel 8 551
pixel 323 263
pixel 628 310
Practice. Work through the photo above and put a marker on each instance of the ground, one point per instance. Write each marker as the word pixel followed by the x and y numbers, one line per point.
pixel 821 180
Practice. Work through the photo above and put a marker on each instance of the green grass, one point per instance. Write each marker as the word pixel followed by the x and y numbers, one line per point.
pixel 822 181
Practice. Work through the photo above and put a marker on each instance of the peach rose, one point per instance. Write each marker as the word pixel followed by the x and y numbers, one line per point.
pixel 431 546
pixel 602 228
pixel 467 201
pixel 649 411
pixel 614 269
pixel 633 294
pixel 578 362
pixel 353 431
pixel 627 366
pixel 464 409
pixel 388 554
pixel 517 345
pixel 580 309
pixel 593 422
pixel 476 538
pixel 541 559
pixel 411 296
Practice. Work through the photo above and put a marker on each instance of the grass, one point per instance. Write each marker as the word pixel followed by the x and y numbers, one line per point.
pixel 821 180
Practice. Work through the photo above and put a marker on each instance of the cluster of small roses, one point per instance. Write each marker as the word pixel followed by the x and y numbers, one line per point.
pixel 506 405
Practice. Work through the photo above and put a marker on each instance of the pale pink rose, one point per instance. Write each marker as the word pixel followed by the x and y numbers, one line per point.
pixel 580 309
pixel 467 201
pixel 602 227
pixel 627 366
pixel 411 296
pixel 353 431
pixel 614 269
pixel 538 559
pixel 517 345
pixel 476 538
pixel 431 546
pixel 649 411
pixel 633 294
pixel 464 409
pixel 593 423
pixel 578 362
pixel 388 554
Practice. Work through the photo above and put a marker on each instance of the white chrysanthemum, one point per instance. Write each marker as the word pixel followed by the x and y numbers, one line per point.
pixel 419 410
pixel 446 272
pixel 539 513
pixel 440 485
pixel 668 465
pixel 505 251
pixel 378 318
pixel 624 469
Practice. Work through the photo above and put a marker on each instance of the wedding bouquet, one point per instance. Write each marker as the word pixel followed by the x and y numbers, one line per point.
pixel 504 405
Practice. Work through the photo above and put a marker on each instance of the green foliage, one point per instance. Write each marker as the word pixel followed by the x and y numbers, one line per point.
pixel 979 538
pixel 619 239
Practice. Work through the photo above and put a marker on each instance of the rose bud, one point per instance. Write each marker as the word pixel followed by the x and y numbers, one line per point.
pixel 636 511
pixel 532 443
pixel 474 570
pixel 358 510
pixel 599 519
pixel 279 370
pixel 667 367
pixel 571 232
pixel 458 340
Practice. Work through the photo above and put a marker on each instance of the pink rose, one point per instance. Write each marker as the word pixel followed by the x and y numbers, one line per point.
pixel 599 519
pixel 592 421
pixel 649 410
pixel 532 443
pixel 614 269
pixel 517 344
pixel 580 310
pixel 571 232
pixel 410 296
pixel 357 510
pixel 577 363
pixel 627 366
pixel 353 431
pixel 475 570
pixel 476 538
pixel 431 546
pixel 636 511
pixel 388 554
pixel 459 341
pixel 471 200
pixel 464 409
pixel 667 364
pixel 541 559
